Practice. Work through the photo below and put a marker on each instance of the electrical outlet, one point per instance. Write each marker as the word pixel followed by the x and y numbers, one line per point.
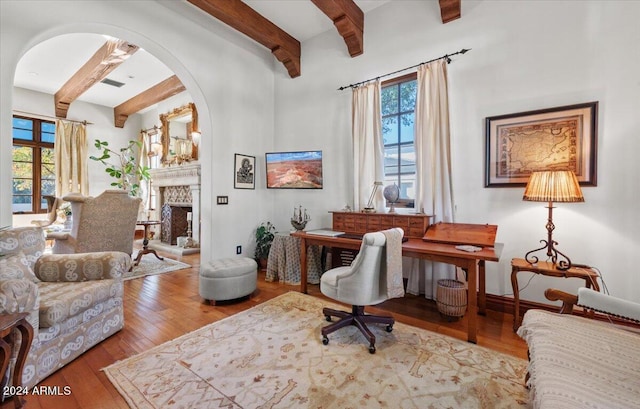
pixel 238 249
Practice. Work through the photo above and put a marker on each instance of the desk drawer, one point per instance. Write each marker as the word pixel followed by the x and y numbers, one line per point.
pixel 338 222
pixel 360 223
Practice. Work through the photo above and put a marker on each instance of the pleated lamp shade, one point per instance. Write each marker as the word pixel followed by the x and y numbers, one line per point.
pixel 553 186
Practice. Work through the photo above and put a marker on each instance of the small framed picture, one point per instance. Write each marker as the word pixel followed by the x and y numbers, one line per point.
pixel 244 175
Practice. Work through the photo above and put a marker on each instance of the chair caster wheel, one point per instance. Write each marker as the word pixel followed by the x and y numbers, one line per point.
pixel 389 328
pixel 325 340
pixel 328 318
pixel 372 349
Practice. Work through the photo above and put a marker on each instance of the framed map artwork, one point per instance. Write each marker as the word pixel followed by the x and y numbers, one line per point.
pixel 555 138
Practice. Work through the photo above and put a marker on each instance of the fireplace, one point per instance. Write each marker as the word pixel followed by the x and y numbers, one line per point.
pixel 177 191
pixel 173 223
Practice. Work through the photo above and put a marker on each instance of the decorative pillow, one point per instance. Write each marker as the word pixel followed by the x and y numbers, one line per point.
pixel 16 266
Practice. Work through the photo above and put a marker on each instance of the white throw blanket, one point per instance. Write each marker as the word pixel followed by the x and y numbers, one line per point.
pixel 395 285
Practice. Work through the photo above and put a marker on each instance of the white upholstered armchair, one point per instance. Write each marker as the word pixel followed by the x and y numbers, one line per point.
pixel 106 222
pixel 374 276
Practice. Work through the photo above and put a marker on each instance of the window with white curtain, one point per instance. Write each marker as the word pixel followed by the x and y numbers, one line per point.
pixel 33 174
pixel 398 102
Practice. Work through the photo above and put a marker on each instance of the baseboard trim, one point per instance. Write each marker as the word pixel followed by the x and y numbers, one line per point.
pixel 506 305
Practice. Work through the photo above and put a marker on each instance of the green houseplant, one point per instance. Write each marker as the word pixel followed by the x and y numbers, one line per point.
pixel 264 238
pixel 126 171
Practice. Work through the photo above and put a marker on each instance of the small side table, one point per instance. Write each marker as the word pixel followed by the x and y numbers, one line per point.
pixel 8 323
pixel 283 264
pixel 546 268
pixel 145 241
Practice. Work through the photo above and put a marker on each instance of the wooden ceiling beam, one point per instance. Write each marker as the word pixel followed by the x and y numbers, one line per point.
pixel 159 92
pixel 243 18
pixel 106 59
pixel 348 19
pixel 449 10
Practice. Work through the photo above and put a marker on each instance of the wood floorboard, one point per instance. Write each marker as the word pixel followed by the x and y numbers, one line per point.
pixel 162 307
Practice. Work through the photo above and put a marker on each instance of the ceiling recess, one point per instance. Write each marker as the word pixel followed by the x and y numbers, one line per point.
pixel 113 83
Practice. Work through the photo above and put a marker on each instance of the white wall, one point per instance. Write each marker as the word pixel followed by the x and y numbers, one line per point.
pixel 229 77
pixel 526 55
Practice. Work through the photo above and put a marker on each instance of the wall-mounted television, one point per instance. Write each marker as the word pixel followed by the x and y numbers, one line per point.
pixel 294 170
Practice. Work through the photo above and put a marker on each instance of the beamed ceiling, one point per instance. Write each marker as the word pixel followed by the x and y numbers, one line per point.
pixel 346 15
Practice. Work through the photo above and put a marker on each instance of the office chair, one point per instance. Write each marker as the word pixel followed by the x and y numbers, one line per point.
pixel 364 283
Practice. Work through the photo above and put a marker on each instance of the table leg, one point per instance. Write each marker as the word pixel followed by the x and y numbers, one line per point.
pixel 303 265
pixel 472 305
pixel 482 295
pixel 516 299
pixel 145 248
pixel 26 330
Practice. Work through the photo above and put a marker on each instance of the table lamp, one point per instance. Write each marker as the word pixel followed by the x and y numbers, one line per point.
pixel 369 208
pixel 552 186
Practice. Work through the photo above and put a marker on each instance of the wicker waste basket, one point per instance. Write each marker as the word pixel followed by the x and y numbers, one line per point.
pixel 451 298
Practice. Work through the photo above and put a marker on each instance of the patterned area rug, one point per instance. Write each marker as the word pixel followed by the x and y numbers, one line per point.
pixel 150 265
pixel 271 356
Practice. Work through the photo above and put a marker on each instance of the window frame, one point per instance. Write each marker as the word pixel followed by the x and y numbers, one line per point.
pixel 412 76
pixel 36 144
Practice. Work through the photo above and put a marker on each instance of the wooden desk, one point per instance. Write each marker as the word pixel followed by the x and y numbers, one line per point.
pixel 471 262
pixel 9 322
pixel 546 268
pixel 145 241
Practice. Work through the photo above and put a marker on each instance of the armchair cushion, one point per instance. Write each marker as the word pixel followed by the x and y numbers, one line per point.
pixel 63 300
pixel 82 267
pixel 16 266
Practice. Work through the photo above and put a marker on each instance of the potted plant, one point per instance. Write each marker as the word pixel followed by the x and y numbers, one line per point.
pixel 264 238
pixel 126 171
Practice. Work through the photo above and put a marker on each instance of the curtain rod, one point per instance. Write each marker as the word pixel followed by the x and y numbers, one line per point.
pixel 357 84
pixel 15 111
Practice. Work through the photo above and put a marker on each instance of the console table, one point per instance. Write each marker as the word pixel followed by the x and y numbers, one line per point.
pixel 471 262
pixel 546 268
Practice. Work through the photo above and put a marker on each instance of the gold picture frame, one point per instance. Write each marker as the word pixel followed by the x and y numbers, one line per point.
pixel 555 138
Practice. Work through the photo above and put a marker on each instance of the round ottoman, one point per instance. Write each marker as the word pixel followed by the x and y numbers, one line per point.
pixel 228 278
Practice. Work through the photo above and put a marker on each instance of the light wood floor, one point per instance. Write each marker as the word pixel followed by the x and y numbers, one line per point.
pixel 160 308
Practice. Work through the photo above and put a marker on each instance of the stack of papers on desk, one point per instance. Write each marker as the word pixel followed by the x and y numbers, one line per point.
pixel 325 232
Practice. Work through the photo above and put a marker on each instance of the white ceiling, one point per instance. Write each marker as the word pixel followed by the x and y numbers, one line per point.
pixel 47 66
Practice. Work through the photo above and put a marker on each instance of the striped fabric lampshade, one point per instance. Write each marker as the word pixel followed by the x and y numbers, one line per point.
pixel 553 186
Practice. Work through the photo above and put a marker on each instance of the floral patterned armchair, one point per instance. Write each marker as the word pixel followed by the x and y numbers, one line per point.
pixel 106 222
pixel 74 301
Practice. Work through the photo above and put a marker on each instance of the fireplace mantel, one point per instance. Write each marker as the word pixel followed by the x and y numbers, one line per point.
pixel 183 175
pixel 179 186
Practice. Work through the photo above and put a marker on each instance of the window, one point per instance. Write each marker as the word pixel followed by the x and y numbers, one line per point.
pixel 33 164
pixel 398 102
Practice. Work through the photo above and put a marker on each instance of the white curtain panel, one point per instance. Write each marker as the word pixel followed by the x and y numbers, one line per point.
pixel 433 168
pixel 368 147
pixel 71 156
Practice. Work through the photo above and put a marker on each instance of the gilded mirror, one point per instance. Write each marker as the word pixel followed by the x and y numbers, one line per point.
pixel 178 127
